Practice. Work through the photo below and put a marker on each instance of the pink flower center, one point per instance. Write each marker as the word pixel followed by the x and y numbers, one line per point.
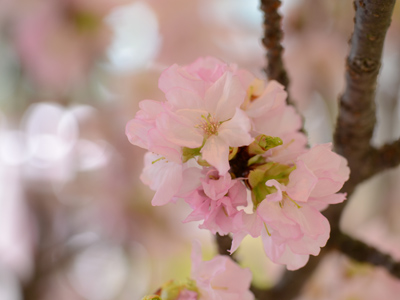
pixel 209 125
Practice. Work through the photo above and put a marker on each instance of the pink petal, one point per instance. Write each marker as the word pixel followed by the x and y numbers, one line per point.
pixel 236 131
pixel 158 144
pixel 181 98
pixel 310 220
pixel 216 189
pixel 275 197
pixel 234 278
pixel 191 181
pixel 136 131
pixel 282 254
pixel 165 178
pixel 322 203
pixel 179 130
pixel 216 152
pixel 273 96
pixel 175 76
pixel 224 96
pixel 301 183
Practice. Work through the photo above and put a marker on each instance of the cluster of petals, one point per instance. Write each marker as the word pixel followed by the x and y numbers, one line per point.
pixel 289 220
pixel 215 112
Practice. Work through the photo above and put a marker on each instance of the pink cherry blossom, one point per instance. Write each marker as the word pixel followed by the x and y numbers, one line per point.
pixel 214 122
pixel 216 202
pixel 220 278
pixel 289 219
pixel 212 112
pixel 319 173
pixel 58 41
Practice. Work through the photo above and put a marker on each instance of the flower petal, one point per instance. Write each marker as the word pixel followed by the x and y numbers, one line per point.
pixel 216 152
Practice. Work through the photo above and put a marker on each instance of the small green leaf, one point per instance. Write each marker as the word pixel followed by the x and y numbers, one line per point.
pixel 259 176
pixel 262 143
pixel 189 153
pixel 255 177
pixel 260 192
pixel 202 162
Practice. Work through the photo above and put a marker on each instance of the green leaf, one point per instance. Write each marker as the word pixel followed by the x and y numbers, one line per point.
pixel 262 143
pixel 259 176
pixel 255 177
pixel 189 153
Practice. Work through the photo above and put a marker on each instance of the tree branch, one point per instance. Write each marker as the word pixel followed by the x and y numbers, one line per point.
pixel 361 252
pixel 292 282
pixel 386 157
pixel 356 120
pixel 272 42
pixel 224 243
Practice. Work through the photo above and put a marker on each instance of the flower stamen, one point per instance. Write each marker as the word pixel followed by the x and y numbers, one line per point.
pixel 209 125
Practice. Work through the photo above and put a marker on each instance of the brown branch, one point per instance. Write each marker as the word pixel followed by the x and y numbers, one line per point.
pixel 292 282
pixel 386 157
pixel 361 252
pixel 272 42
pixel 356 120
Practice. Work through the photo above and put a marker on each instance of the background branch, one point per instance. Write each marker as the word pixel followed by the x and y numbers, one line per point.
pixel 356 120
pixel 272 42
pixel 362 252
pixel 224 243
pixel 386 157
pixel 355 125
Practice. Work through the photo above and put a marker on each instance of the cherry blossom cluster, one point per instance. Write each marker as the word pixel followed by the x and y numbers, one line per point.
pixel 217 279
pixel 227 143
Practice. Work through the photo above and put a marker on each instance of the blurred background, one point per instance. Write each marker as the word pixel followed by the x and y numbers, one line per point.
pixel 75 220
